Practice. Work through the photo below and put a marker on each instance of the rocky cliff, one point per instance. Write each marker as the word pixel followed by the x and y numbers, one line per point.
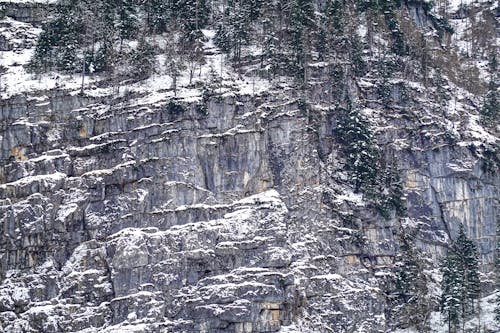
pixel 141 211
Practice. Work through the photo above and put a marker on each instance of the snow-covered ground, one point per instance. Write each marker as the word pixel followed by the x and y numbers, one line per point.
pixel 158 87
pixel 484 322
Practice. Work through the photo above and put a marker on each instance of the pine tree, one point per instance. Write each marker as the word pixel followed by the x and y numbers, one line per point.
pixel 497 271
pixel 239 24
pixel 358 146
pixel 271 57
pixel 334 15
pixel 469 269
pixel 302 22
pixel 192 14
pixel 411 303
pixel 272 20
pixel 385 69
pixel 234 31
pixel 222 38
pixel 355 55
pixel 3 70
pixel 332 26
pixel 143 59
pixel 390 193
pixel 58 43
pixel 460 284
pixel 451 291
pixel 489 110
pixel 127 22
pixel 157 15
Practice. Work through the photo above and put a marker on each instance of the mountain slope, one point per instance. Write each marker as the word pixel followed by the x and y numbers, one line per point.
pixel 259 193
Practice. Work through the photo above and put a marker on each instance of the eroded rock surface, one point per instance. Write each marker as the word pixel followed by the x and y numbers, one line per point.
pixel 134 213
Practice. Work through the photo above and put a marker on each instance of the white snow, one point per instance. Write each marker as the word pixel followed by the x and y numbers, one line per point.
pixel 31 1
pixel 486 320
pixel 47 180
pixel 350 196
pixel 478 132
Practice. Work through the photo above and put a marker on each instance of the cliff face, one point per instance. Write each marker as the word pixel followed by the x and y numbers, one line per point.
pixel 148 213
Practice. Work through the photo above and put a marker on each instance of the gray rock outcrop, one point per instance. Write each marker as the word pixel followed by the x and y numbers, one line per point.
pixel 128 214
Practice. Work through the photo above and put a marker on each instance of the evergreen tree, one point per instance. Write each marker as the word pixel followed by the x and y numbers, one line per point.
pixel 302 22
pixel 411 299
pixel 234 31
pixel 469 269
pixel 273 57
pixel 355 54
pixel 82 33
pixel 451 291
pixel 387 9
pixel 58 43
pixel 3 70
pixel 460 284
pixel 385 67
pixel 158 15
pixel 489 110
pixel 239 24
pixel 192 15
pixel 127 22
pixel 142 59
pixel 497 271
pixel 331 27
pixel 390 193
pixel 334 15
pixel 361 155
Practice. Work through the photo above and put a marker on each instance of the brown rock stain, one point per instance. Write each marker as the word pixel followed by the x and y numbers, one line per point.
pixel 83 132
pixel 275 315
pixel 19 153
pixel 352 260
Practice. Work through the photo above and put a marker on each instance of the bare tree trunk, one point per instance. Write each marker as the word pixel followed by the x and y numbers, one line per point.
pixel 83 75
pixel 174 83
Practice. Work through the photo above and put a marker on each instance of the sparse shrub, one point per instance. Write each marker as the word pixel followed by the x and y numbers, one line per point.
pixel 202 108
pixel 175 109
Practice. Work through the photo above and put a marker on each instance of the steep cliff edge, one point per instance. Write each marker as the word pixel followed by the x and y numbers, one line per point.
pixel 140 211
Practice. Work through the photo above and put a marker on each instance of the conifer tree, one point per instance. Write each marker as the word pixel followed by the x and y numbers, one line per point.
pixel 58 43
pixel 142 59
pixel 127 22
pixel 469 269
pixel 361 154
pixel 239 23
pixel 234 31
pixel 332 26
pixel 191 14
pixel 451 291
pixel 335 16
pixel 489 110
pixel 3 70
pixel 302 21
pixel 157 15
pixel 391 194
pixel 272 20
pixel 497 271
pixel 460 284
pixel 411 306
